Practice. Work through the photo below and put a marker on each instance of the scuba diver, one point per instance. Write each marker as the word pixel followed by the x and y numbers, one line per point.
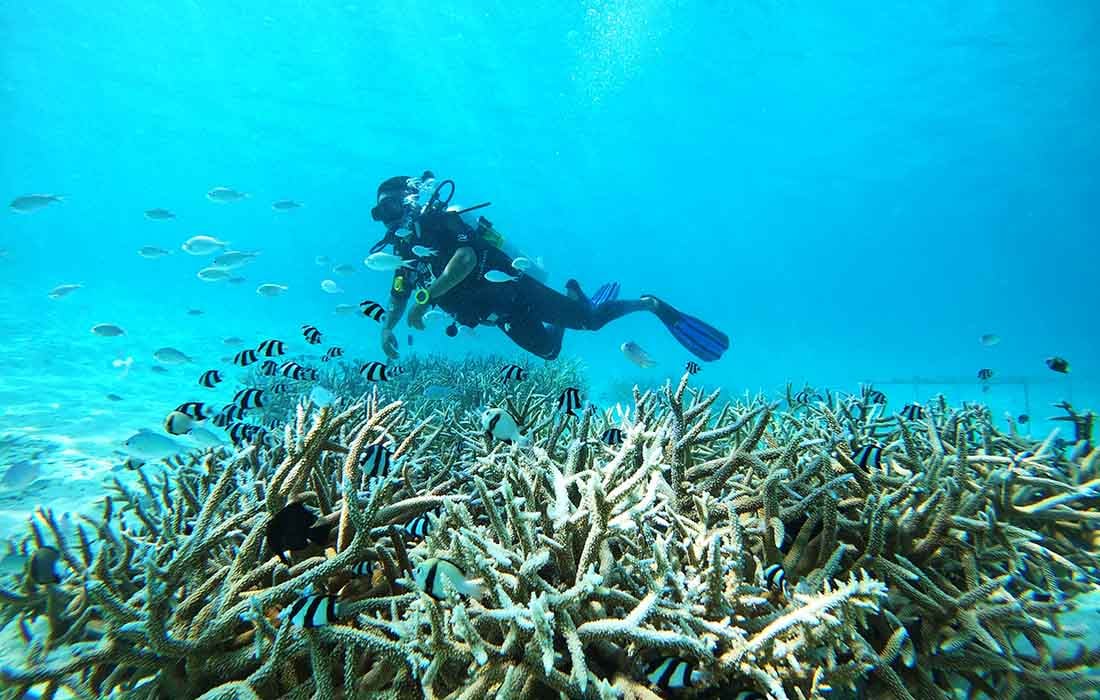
pixel 452 254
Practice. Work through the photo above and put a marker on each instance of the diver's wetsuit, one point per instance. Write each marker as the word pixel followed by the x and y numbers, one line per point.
pixel 530 313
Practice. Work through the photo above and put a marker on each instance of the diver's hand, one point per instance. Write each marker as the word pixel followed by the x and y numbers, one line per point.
pixel 416 316
pixel 389 343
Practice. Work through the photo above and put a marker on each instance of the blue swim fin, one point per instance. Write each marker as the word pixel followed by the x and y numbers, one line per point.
pixel 701 339
pixel 608 292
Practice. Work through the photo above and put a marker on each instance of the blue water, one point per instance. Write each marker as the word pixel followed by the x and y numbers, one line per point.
pixel 852 191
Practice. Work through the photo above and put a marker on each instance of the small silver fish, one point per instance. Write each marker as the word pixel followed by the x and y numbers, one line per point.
pixel 63 290
pixel 330 287
pixel 345 308
pixel 422 251
pixel 20 475
pixel 31 202
pixel 285 205
pixel 232 259
pixel 202 245
pixel 271 290
pixel 322 260
pixel 386 262
pixel 499 276
pixel 637 355
pixel 148 445
pixel 171 356
pixel 232 340
pixel 524 264
pixel 107 330
pixel 990 339
pixel 225 194
pixel 159 214
pixel 152 252
pixel 212 274
pixel 344 269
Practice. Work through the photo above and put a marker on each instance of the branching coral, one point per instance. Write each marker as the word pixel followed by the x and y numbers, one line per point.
pixel 746 540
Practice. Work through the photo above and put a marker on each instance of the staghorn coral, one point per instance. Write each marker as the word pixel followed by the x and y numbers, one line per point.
pixel 942 569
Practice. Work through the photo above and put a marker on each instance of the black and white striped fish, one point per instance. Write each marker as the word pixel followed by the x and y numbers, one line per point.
pixel 375 372
pixel 912 411
pixel 313 611
pixel 244 358
pixel 775 577
pixel 269 368
pixel 418 526
pixel 672 673
pixel 311 334
pixel 692 367
pixel 869 456
pixel 242 433
pixel 875 396
pixel 196 410
pixel 373 310
pixel 569 401
pixel 985 374
pixel 513 373
pixel 211 378
pixel 362 568
pixel 279 388
pixel 177 423
pixel 332 352
pixel 249 398
pixel 375 460
pixel 612 437
pixel 805 396
pixel 271 348
pixel 748 695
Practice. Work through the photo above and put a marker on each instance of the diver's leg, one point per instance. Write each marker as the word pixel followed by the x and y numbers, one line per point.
pixel 535 337
pixel 571 310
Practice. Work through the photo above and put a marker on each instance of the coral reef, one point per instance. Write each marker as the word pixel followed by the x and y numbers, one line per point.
pixel 757 544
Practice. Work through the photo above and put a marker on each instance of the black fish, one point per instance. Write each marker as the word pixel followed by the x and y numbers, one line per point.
pixel 269 368
pixel 375 460
pixel 692 367
pixel 311 334
pixel 244 358
pixel 271 348
pixel 375 372
pixel 42 566
pixel 196 410
pixel 985 374
pixel 513 373
pixel 912 411
pixel 312 611
pixel 775 577
pixel 569 401
pixel 210 378
pixel 373 310
pixel 292 529
pixel 249 398
pixel 612 436
pixel 869 456
pixel 1058 364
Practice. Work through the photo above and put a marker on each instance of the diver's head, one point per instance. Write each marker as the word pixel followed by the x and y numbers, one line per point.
pixel 391 200
pixel 397 199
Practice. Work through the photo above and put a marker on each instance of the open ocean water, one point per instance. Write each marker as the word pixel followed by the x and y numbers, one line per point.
pixel 855 192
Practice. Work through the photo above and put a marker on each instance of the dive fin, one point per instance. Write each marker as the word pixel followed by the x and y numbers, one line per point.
pixel 607 292
pixel 701 339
